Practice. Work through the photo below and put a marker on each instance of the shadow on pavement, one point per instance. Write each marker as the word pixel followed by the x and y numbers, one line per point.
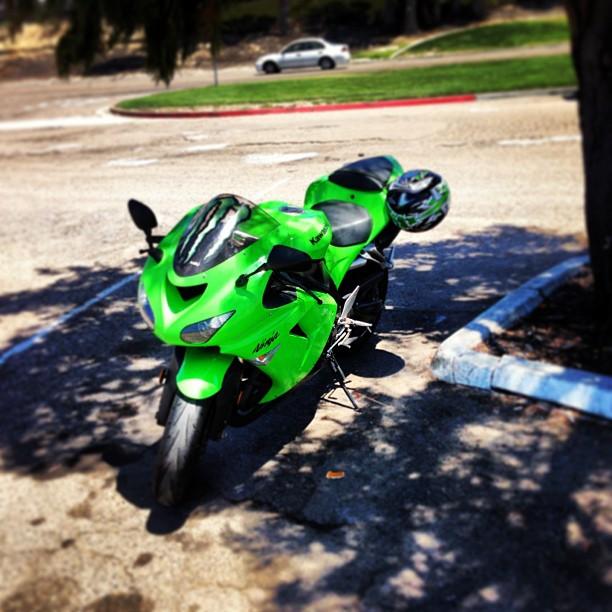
pixel 450 498
pixel 84 383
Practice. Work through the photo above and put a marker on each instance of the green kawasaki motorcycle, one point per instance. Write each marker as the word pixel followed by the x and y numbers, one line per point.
pixel 255 298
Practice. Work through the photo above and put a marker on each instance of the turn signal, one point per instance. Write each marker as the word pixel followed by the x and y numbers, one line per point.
pixel 266 358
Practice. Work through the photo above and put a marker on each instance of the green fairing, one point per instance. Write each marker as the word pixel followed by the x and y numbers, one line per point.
pixel 254 330
pixel 202 372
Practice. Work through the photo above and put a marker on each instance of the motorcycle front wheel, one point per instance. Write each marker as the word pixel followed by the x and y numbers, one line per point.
pixel 184 439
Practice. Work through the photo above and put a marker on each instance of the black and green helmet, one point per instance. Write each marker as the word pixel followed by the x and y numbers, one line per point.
pixel 418 200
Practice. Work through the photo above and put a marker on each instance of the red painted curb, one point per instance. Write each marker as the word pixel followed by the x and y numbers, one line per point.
pixel 282 110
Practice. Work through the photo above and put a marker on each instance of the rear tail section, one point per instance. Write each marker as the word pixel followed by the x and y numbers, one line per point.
pixel 354 200
pixel 364 182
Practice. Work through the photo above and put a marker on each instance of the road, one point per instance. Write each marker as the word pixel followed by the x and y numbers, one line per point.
pixel 54 97
pixel 452 499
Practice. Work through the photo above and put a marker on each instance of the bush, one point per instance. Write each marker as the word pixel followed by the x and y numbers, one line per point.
pixel 234 30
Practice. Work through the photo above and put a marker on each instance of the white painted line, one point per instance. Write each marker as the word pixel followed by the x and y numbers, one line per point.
pixel 530 142
pixel 60 148
pixel 264 192
pixel 131 163
pixel 271 159
pixel 195 136
pixel 45 331
pixel 76 102
pixel 204 148
pixel 41 334
pixel 61 122
pixel 68 103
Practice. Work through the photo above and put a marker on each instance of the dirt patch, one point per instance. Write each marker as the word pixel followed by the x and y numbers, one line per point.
pixel 48 594
pixel 143 559
pixel 190 544
pixel 536 11
pixel 121 602
pixel 560 331
pixel 81 511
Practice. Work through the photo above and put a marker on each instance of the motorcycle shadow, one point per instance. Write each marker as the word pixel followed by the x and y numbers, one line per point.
pixel 228 470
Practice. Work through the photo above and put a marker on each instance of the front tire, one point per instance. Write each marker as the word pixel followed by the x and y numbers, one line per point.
pixel 271 68
pixel 179 450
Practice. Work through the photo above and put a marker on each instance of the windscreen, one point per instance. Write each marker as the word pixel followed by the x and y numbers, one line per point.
pixel 218 230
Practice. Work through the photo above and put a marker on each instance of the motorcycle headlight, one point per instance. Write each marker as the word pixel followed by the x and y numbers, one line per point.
pixel 144 306
pixel 203 331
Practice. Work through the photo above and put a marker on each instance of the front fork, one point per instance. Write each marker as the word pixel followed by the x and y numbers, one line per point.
pixel 168 379
pixel 198 374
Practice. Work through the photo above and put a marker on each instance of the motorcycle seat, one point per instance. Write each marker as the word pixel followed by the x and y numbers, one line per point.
pixel 350 224
pixel 370 174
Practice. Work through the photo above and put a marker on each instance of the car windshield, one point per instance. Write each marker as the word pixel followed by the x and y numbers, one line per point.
pixel 218 230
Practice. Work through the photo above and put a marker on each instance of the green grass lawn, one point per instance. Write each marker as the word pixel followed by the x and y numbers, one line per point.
pixel 375 53
pixel 553 71
pixel 498 36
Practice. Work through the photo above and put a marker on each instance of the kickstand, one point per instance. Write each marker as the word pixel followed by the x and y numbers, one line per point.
pixel 340 378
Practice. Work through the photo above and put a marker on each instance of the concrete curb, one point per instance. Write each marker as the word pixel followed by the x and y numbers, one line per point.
pixel 283 110
pixel 542 91
pixel 318 108
pixel 457 361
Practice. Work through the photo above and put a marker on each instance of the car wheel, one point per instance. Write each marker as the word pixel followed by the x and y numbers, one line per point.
pixel 326 63
pixel 271 68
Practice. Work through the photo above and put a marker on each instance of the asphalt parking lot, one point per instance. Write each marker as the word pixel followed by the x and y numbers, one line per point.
pixel 452 499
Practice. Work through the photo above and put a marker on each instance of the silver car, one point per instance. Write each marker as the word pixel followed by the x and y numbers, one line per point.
pixel 305 53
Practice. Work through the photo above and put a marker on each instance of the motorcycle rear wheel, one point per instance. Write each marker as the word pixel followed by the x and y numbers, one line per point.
pixel 369 306
pixel 183 441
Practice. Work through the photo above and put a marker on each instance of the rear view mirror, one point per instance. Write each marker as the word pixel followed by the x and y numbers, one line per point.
pixel 286 259
pixel 142 216
pixel 281 259
pixel 144 219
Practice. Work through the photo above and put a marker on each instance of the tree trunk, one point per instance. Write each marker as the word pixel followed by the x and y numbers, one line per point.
pixel 454 9
pixel 480 8
pixel 591 28
pixel 211 26
pixel 283 17
pixel 389 15
pixel 411 24
pixel 430 13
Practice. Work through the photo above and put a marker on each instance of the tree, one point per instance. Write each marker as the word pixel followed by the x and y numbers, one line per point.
pixel 411 24
pixel 430 13
pixel 591 34
pixel 413 15
pixel 172 28
pixel 210 18
pixel 389 14
pixel 283 17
